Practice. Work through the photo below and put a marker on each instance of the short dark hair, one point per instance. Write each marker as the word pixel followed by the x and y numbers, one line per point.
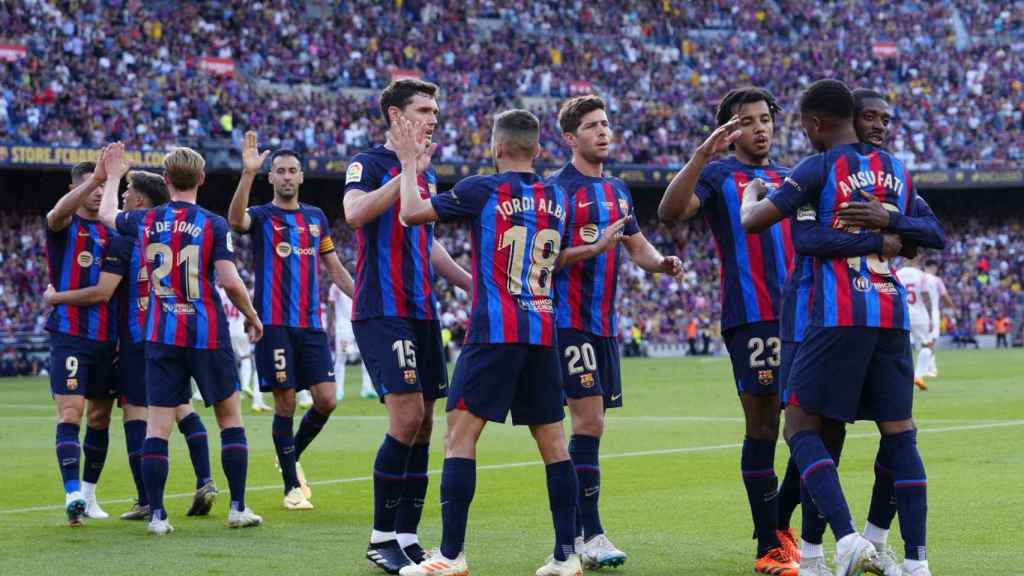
pixel 830 97
pixel 150 185
pixel 518 130
pixel 860 95
pixel 574 109
pixel 931 262
pixel 285 152
pixel 400 92
pixel 745 95
pixel 79 171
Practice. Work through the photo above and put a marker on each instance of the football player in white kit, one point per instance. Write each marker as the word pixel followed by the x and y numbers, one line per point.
pixel 341 310
pixel 243 353
pixel 931 273
pixel 923 301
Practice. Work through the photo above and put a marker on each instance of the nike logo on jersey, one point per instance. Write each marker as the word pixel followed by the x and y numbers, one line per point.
pixel 279 228
pixel 84 233
pixel 584 205
pixel 616 396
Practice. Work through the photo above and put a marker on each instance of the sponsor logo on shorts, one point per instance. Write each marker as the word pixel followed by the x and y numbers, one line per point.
pixel 765 377
pixel 591 491
pixel 72 384
pixel 85 259
pixel 409 376
pixel 615 397
pixel 587 380
pixel 281 376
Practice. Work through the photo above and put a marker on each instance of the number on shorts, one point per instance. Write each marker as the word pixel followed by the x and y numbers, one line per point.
pixel 280 361
pixel 576 353
pixel 757 348
pixel 406 352
pixel 71 365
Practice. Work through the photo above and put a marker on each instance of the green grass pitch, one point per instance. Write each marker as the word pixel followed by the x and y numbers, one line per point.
pixel 672 494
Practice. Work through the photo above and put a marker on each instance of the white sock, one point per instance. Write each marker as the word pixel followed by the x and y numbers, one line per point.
pixel 339 378
pixel 922 363
pixel 933 368
pixel 876 534
pixel 88 490
pixel 367 382
pixel 376 537
pixel 912 565
pixel 407 539
pixel 808 550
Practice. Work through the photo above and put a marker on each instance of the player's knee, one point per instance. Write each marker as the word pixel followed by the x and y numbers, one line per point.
pixel 284 403
pixel 895 427
pixel 589 425
pixel 325 405
pixel 98 417
pixel 70 415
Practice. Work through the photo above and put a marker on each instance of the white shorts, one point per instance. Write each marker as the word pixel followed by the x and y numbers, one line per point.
pixel 241 345
pixel 920 332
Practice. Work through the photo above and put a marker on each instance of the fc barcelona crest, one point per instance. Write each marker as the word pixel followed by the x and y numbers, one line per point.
pixel 623 205
pixel 314 229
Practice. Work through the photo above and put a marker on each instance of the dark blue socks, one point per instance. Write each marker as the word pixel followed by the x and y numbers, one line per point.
pixel 819 475
pixel 883 493
pixel 757 464
pixel 911 490
pixel 789 495
pixel 458 484
pixel 410 507
pixel 311 425
pixel 388 481
pixel 154 474
pixel 192 428
pixel 563 488
pixel 134 437
pixel 584 450
pixel 95 448
pixel 284 445
pixel 234 457
pixel 68 454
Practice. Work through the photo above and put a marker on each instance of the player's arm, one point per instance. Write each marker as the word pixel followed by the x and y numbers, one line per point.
pixel 679 201
pixel 339 275
pixel 647 257
pixel 60 215
pixel 102 291
pixel 919 226
pixel 252 161
pixel 609 238
pixel 813 239
pixel 447 267
pixel 758 211
pixel 115 166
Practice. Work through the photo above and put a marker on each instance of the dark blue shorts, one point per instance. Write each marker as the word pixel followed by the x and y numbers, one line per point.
pixel 493 379
pixel 853 372
pixel 170 368
pixel 403 355
pixel 131 375
pixel 590 366
pixel 785 368
pixel 755 350
pixel 82 367
pixel 289 357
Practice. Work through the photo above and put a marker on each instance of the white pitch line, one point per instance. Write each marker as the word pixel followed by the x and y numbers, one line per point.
pixel 634 454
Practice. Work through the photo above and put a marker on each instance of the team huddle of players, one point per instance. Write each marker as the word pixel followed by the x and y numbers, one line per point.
pixel 814 317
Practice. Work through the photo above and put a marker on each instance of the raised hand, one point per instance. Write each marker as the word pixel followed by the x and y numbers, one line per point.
pixel 406 138
pixel 252 158
pixel 114 162
pixel 100 174
pixel 720 140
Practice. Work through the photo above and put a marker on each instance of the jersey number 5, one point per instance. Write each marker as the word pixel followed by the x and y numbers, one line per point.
pixel 543 254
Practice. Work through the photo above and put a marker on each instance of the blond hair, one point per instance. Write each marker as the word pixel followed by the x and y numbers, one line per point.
pixel 184 168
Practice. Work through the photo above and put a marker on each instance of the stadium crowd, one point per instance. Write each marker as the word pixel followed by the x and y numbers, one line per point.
pixel 301 70
pixel 983 267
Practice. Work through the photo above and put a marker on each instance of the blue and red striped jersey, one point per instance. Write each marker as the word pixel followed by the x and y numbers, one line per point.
pixel 586 290
pixel 516 224
pixel 133 297
pixel 754 267
pixel 854 290
pixel 76 258
pixel 287 245
pixel 394 276
pixel 181 242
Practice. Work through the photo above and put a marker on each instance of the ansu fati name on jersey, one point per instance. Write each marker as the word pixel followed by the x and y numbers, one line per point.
pixel 868 179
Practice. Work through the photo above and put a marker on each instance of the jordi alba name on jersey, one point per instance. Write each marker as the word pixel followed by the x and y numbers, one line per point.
pixel 586 290
pixel 287 245
pixel 394 276
pixel 754 266
pixel 76 256
pixel 859 290
pixel 517 223
pixel 181 242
